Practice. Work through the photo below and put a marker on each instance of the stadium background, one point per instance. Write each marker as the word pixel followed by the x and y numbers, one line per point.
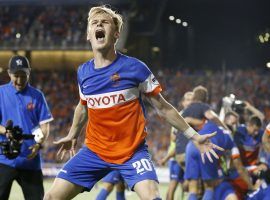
pixel 224 46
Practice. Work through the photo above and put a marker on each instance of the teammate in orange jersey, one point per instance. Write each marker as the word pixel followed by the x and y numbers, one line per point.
pixel 111 86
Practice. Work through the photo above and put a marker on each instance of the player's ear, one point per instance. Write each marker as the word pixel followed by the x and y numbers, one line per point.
pixel 116 35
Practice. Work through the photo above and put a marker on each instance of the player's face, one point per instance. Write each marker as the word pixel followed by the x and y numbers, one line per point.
pixel 187 100
pixel 231 121
pixel 102 32
pixel 19 80
pixel 252 129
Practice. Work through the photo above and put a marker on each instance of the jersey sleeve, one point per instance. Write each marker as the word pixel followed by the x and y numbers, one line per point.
pixel 231 145
pixel 262 156
pixel 148 84
pixel 82 97
pixel 44 113
pixel 267 130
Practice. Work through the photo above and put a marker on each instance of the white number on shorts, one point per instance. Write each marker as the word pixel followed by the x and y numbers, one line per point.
pixel 142 165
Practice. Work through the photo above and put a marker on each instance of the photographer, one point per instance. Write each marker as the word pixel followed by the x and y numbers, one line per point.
pixel 27 108
pixel 243 108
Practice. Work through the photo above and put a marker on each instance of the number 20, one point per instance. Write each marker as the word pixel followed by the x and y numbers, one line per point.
pixel 142 165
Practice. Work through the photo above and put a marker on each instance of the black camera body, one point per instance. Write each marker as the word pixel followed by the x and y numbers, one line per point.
pixel 230 102
pixel 11 148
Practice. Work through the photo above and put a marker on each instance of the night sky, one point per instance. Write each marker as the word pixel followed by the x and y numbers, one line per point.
pixel 219 32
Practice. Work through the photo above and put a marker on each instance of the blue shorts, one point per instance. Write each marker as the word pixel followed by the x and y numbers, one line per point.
pixel 113 177
pixel 195 168
pixel 86 168
pixel 223 190
pixel 176 172
pixel 260 194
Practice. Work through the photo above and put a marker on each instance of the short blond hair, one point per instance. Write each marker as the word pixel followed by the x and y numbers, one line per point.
pixel 117 18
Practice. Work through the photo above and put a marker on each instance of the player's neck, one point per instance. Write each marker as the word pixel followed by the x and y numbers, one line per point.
pixel 104 58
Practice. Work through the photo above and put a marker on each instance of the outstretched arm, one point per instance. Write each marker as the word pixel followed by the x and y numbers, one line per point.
pixel 211 115
pixel 171 115
pixel 79 120
pixel 68 143
pixel 254 110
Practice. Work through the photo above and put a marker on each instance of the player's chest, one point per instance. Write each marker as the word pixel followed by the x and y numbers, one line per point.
pixel 112 80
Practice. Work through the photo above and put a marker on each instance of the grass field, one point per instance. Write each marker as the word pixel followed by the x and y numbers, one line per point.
pixel 16 192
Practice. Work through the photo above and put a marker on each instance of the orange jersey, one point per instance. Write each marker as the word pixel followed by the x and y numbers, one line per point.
pixel 116 114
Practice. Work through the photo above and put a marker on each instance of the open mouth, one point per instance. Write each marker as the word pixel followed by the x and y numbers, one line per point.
pixel 100 35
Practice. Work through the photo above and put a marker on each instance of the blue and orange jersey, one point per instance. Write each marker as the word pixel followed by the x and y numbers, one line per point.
pixel 116 115
pixel 222 138
pixel 248 145
pixel 267 130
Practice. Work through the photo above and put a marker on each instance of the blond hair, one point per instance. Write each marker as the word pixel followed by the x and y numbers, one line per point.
pixel 117 18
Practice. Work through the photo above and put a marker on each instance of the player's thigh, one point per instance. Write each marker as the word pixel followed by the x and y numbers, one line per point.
pixel 31 182
pixel 84 169
pixel 147 189
pixel 138 168
pixel 63 190
pixel 172 185
pixel 231 197
pixel 192 160
pixel 224 191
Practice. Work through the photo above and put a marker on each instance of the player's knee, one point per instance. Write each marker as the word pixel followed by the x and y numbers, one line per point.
pixel 48 196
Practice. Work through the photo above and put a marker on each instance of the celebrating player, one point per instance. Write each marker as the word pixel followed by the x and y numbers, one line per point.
pixel 111 86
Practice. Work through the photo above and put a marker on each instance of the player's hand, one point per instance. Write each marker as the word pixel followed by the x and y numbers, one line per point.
pixel 205 146
pixel 162 161
pixel 34 151
pixel 67 146
pixel 9 134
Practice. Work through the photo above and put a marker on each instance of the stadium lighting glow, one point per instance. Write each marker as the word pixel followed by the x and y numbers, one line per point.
pixel 261 38
pixel 171 18
pixel 155 49
pixel 178 21
pixel 185 24
pixel 268 64
pixel 266 39
pixel 267 35
pixel 18 35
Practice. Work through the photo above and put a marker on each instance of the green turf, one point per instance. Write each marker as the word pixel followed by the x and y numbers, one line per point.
pixel 16 192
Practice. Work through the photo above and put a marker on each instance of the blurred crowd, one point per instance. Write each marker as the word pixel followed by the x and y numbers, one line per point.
pixel 60 89
pixel 41 26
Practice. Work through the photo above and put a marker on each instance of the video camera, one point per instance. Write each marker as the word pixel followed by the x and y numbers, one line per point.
pixel 234 104
pixel 265 175
pixel 11 148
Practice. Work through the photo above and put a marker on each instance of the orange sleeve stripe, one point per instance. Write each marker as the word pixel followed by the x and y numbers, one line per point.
pixel 83 102
pixel 155 92
pixel 235 156
pixel 267 131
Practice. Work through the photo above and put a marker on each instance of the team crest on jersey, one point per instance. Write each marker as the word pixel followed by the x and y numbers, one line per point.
pixel 30 106
pixel 115 79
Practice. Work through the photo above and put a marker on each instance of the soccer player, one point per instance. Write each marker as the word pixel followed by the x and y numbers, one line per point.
pixel 209 172
pixel 112 179
pixel 199 110
pixel 111 86
pixel 248 138
pixel 231 119
pixel 28 109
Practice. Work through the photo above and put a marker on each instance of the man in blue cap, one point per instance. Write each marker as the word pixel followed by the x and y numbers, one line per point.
pixel 27 108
